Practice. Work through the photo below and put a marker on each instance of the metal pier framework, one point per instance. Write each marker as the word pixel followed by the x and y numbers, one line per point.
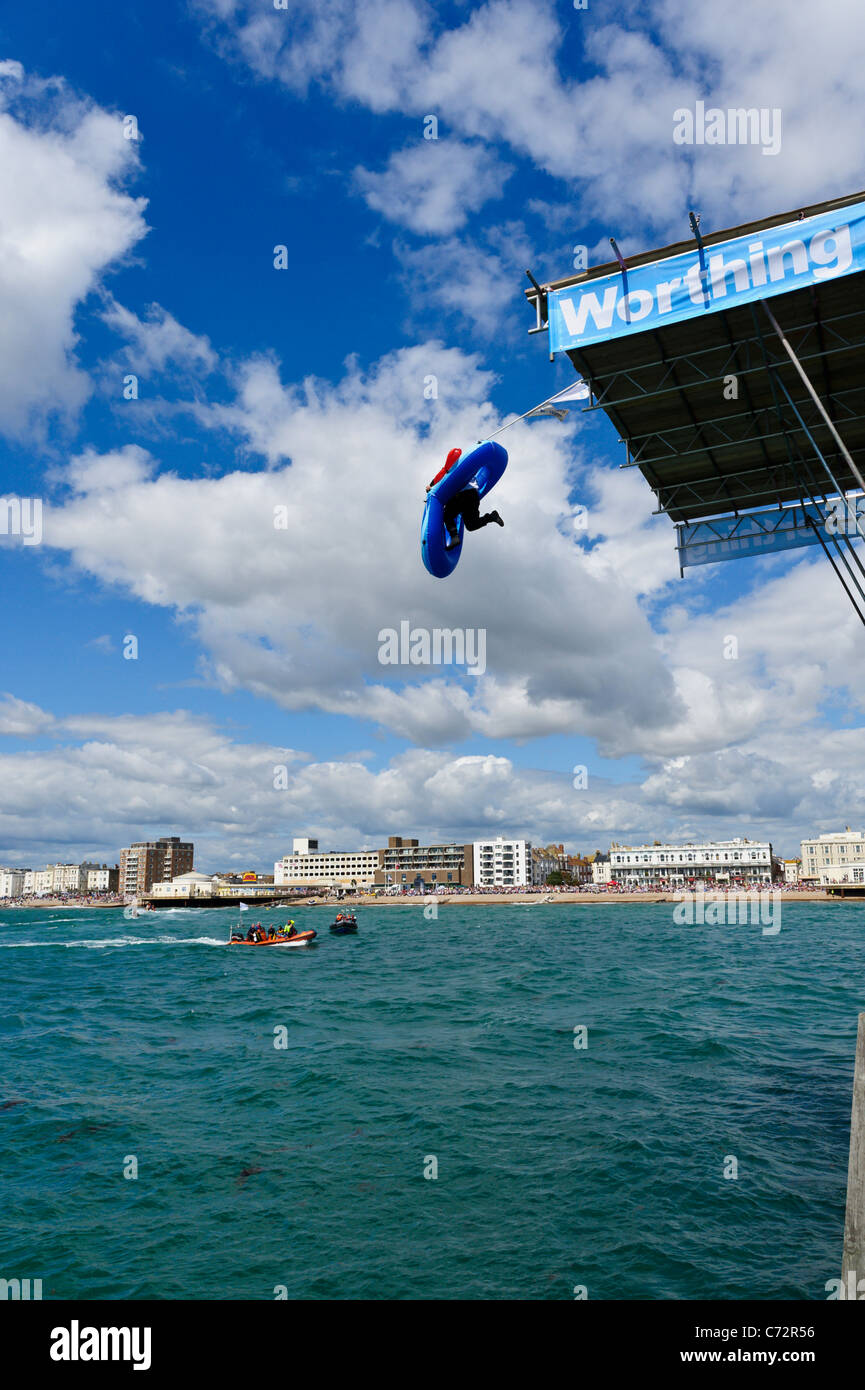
pixel 745 412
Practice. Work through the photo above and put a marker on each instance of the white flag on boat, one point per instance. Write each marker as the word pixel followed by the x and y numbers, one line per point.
pixel 243 907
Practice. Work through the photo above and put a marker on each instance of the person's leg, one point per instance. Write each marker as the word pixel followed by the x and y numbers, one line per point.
pixel 485 520
pixel 472 518
pixel 452 510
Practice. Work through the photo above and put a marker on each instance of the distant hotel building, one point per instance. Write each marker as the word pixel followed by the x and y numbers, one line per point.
pixel 308 867
pixel 838 857
pixel 746 861
pixel 153 861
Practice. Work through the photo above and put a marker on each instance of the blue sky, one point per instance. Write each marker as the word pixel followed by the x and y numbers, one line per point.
pixel 304 388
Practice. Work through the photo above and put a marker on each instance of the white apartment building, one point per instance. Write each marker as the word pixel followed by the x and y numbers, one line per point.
pixel 308 867
pixel 837 857
pixel 739 860
pixel 502 863
pixel 11 883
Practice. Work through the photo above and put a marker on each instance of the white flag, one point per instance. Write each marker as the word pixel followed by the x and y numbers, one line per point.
pixel 243 907
pixel 578 391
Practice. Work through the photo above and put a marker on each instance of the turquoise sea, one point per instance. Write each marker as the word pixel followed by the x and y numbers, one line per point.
pixel 453 1039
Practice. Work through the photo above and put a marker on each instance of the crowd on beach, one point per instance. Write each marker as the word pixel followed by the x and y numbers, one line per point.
pixel 67 900
pixel 607 889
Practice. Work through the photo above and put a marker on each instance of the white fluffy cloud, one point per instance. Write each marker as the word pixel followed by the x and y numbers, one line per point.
pixel 158 339
pixel 293 611
pixel 106 781
pixel 68 222
pixel 431 186
pixel 498 76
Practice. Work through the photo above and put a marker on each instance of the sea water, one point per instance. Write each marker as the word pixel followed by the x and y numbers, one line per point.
pixel 540 1102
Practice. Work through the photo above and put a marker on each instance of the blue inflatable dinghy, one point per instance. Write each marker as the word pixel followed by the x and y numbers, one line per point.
pixel 483 467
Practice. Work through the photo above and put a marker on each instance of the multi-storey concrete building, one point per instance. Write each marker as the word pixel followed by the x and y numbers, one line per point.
pixel 153 861
pixel 309 867
pixel 407 864
pixel 728 861
pixel 502 863
pixel 836 857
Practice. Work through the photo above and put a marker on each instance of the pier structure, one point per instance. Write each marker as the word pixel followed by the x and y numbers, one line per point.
pixel 730 365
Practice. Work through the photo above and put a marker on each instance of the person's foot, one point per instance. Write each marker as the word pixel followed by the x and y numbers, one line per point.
pixel 497 519
pixel 453 543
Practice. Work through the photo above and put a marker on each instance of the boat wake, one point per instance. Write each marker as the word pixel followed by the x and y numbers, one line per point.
pixel 116 941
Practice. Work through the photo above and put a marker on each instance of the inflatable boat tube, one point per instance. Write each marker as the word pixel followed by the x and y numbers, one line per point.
pixel 484 466
pixel 302 938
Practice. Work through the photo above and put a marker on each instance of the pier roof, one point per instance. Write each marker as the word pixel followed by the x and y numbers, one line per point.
pixel 710 406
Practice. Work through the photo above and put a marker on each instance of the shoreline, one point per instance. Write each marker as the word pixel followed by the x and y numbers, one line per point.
pixel 571 899
pixel 468 900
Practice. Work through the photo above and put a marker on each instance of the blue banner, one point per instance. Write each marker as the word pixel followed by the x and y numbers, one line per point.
pixel 762 533
pixel 764 263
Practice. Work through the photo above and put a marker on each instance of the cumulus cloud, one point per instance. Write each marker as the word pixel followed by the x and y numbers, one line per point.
pixel 158 339
pixel 431 186
pixel 288 603
pixel 104 781
pixel 479 281
pixel 68 222
pixel 607 133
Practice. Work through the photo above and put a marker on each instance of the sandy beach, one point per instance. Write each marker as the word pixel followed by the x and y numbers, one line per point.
pixel 551 899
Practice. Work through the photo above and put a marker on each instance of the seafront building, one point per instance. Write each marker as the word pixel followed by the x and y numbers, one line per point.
pixel 11 883
pixel 576 868
pixel 544 862
pixel 99 878
pixel 600 866
pixel 308 867
pixel 836 857
pixel 58 880
pixel 502 863
pixel 153 861
pixel 727 861
pixel 407 864
pixel 208 889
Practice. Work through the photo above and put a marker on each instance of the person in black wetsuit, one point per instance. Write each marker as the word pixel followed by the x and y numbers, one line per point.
pixel 467 504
